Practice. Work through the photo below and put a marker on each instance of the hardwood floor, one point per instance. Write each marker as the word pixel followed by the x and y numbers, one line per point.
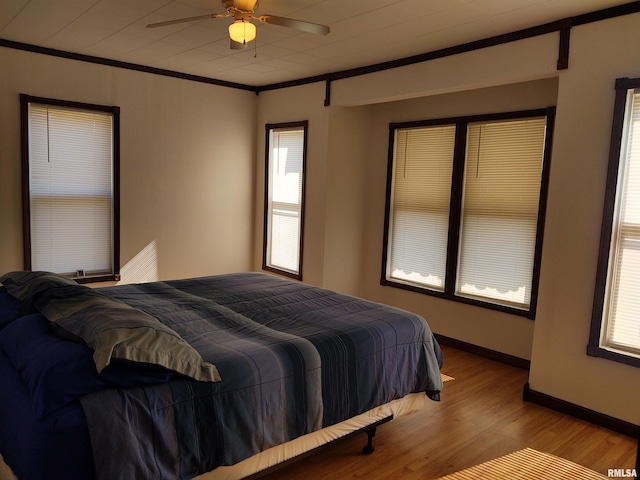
pixel 481 416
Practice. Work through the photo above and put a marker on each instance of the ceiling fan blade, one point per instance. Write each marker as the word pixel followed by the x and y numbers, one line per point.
pixel 237 45
pixel 188 19
pixel 297 24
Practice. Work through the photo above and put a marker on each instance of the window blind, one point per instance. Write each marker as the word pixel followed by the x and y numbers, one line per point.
pixel 503 171
pixel 621 314
pixel 419 222
pixel 285 183
pixel 463 207
pixel 71 190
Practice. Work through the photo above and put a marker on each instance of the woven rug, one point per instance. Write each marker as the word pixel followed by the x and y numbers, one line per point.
pixel 526 464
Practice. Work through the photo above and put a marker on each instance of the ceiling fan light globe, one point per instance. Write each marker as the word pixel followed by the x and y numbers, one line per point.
pixel 242 31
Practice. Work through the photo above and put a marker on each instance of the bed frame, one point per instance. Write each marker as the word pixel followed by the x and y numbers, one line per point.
pixel 282 455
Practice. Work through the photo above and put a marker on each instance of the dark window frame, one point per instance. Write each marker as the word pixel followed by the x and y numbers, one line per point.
pixel 622 86
pixel 25 100
pixel 455 207
pixel 304 124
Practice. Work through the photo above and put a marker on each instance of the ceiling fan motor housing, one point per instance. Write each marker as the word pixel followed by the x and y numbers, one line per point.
pixel 243 5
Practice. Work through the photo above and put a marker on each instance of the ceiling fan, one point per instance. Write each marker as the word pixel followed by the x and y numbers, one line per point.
pixel 242 30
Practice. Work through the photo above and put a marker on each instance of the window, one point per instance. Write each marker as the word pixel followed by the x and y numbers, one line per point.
pixel 615 324
pixel 284 198
pixel 70 170
pixel 421 196
pixel 465 208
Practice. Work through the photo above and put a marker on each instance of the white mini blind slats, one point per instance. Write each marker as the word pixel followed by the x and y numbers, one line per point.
pixel 420 209
pixel 496 228
pixel 500 210
pixel 71 190
pixel 621 314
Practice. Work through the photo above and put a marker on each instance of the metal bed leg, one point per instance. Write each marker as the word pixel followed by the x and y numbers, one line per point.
pixel 371 432
pixel 368 448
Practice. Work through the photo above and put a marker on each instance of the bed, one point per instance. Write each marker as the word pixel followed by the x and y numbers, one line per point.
pixel 208 378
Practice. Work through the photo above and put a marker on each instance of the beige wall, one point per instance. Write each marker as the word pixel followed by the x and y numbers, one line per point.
pixel 503 332
pixel 187 167
pixel 337 162
pixel 600 53
pixel 346 183
pixel 291 105
pixel 346 172
pixel 348 164
pixel 499 65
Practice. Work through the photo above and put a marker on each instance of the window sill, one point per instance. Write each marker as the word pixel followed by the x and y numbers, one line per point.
pixel 98 279
pixel 286 273
pixel 530 314
pixel 596 351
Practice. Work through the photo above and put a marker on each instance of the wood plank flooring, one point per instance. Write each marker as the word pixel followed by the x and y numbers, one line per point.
pixel 481 416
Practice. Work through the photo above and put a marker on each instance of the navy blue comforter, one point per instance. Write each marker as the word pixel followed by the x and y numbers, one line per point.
pixel 293 359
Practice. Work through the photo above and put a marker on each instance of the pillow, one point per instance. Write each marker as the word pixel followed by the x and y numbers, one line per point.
pixel 57 371
pixel 24 285
pixel 115 330
pixel 9 308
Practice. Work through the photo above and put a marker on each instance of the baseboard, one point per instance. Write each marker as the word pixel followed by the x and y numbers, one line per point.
pixel 484 352
pixel 579 412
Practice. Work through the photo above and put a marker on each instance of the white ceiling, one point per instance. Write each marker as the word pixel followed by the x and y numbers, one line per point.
pixel 363 32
